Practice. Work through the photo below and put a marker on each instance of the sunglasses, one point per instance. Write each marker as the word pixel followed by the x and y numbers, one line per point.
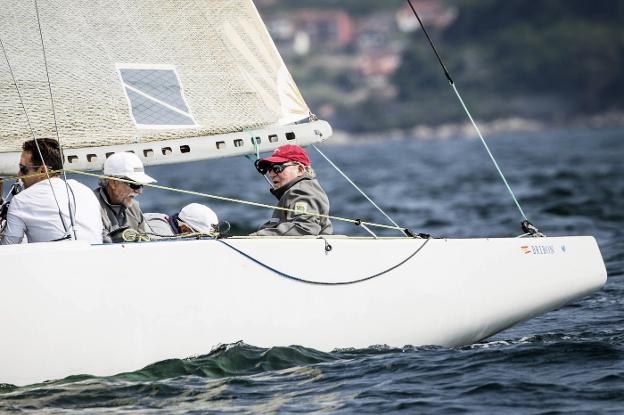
pixel 275 167
pixel 25 169
pixel 133 185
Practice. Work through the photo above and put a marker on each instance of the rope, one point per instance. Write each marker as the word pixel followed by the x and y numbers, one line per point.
pixel 58 138
pixel 448 77
pixel 257 148
pixel 326 283
pixel 357 188
pixel 368 230
pixel 32 131
pixel 233 200
pixel 135 236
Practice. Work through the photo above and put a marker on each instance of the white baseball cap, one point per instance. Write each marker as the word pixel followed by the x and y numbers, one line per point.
pixel 199 217
pixel 125 164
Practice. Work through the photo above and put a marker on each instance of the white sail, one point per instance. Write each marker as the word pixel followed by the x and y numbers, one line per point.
pixel 140 71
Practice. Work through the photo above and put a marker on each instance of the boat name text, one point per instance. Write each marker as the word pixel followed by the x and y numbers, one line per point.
pixel 539 249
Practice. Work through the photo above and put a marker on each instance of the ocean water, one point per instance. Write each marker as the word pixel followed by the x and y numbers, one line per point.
pixel 567 361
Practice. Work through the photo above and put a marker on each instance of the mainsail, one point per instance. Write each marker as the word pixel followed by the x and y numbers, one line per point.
pixel 139 71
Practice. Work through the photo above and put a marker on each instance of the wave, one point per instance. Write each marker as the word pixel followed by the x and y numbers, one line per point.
pixel 247 378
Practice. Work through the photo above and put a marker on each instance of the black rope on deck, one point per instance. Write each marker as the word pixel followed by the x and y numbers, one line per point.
pixel 306 281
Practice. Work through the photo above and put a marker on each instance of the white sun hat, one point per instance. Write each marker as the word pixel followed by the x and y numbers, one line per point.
pixel 199 217
pixel 125 164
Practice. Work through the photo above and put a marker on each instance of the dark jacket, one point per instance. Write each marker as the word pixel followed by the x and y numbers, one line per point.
pixel 115 217
pixel 305 195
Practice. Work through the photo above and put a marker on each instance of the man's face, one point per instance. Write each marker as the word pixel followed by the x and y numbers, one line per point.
pixel 120 193
pixel 291 171
pixel 26 168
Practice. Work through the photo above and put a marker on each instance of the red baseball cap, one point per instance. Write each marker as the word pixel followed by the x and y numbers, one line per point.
pixel 285 153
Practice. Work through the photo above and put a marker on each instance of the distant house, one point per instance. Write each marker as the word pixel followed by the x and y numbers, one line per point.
pixel 433 13
pixel 282 29
pixel 378 63
pixel 378 49
pixel 308 29
pixel 375 30
pixel 326 29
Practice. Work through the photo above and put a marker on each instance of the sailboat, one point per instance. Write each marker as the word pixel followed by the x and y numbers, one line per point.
pixel 176 82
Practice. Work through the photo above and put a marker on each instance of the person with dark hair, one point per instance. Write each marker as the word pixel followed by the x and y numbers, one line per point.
pixel 50 209
pixel 297 190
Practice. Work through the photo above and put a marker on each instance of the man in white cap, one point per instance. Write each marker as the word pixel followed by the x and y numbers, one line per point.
pixel 119 209
pixel 194 218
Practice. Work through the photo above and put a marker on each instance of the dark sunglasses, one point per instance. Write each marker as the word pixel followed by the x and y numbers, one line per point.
pixel 264 168
pixel 25 169
pixel 133 185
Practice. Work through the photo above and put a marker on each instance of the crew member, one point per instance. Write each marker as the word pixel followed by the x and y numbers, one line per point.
pixel 297 189
pixel 41 212
pixel 193 219
pixel 119 209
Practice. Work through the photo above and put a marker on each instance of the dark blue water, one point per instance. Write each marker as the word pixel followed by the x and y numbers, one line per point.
pixel 567 361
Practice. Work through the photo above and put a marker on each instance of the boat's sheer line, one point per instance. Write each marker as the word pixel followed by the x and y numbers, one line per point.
pixel 358 188
pixel 325 283
pixel 357 222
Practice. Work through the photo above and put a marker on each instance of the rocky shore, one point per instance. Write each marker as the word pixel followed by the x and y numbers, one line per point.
pixel 487 128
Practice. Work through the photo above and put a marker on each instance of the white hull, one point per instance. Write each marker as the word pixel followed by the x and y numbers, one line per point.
pixel 70 308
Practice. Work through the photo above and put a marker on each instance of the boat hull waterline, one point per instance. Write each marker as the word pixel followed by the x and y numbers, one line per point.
pixel 70 308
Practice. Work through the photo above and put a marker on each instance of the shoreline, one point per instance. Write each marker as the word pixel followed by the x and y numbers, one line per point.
pixel 465 130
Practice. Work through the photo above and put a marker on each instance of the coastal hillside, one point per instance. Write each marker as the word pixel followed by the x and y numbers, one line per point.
pixel 366 65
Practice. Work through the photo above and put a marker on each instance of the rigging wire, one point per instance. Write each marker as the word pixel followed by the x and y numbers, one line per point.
pixel 72 219
pixel 357 222
pixel 474 124
pixel 32 131
pixel 359 190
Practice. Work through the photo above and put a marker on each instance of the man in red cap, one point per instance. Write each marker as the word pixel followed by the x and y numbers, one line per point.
pixel 297 190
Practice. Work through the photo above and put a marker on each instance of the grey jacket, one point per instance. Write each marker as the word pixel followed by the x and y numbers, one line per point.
pixel 115 217
pixel 303 194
